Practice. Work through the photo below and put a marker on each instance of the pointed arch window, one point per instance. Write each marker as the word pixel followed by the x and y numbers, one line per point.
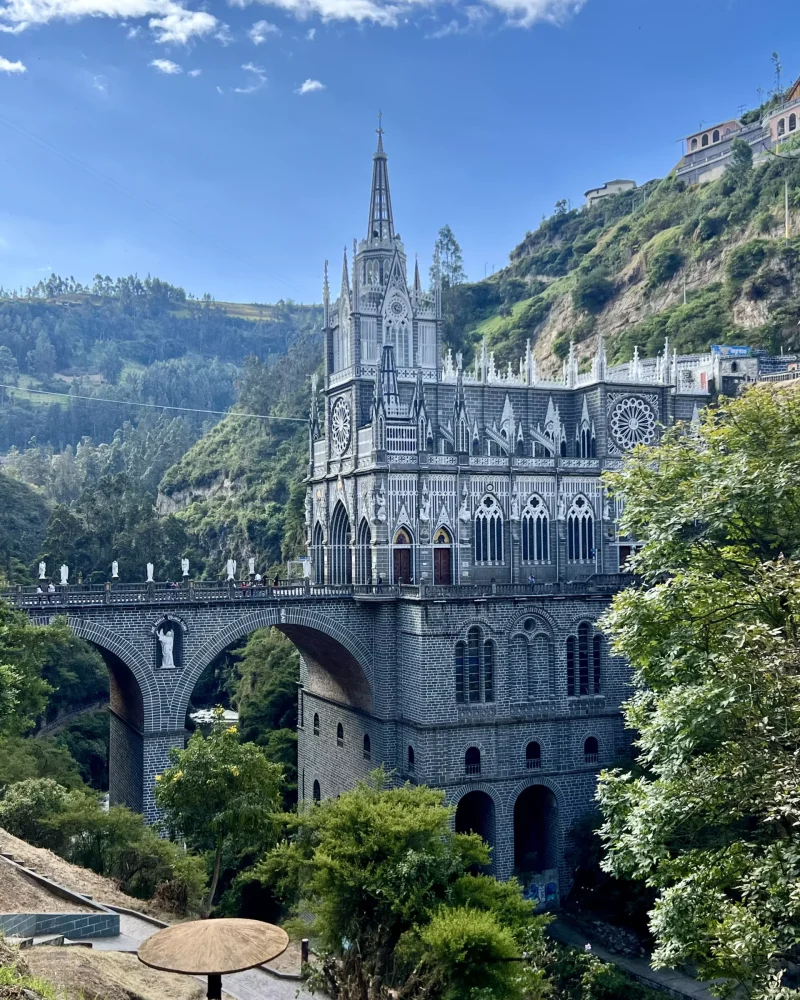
pixel 583 658
pixel 316 724
pixel 411 759
pixel 364 553
pixel 367 747
pixel 463 436
pixel 535 531
pixel 580 531
pixel 571 666
pixel 341 566
pixel 475 668
pixel 339 735
pixel 318 554
pixel 316 792
pixel 489 532
pixel 597 662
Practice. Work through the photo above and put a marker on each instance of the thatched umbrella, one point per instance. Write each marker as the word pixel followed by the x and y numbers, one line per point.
pixel 213 947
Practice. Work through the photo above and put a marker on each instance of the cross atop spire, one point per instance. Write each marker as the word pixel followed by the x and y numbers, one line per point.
pixel 381 224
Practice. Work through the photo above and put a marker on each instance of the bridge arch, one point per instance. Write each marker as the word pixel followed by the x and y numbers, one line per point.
pixel 134 706
pixel 339 663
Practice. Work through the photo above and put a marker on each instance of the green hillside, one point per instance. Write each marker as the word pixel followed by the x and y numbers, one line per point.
pixel 22 529
pixel 620 268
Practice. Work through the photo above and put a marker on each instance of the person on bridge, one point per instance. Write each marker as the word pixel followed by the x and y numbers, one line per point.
pixel 51 589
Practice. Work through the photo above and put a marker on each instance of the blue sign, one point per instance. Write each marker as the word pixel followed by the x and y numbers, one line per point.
pixel 730 350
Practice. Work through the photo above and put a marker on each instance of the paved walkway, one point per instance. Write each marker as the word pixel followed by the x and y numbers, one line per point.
pixel 660 979
pixel 255 984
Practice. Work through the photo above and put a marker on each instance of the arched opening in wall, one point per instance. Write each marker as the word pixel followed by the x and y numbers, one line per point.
pixel 364 553
pixel 411 760
pixel 316 792
pixel 533 756
pixel 792 122
pixel 475 813
pixel 442 553
pixel 715 136
pixel 341 566
pixel 535 831
pixel 694 144
pixel 339 735
pixel 316 724
pixel 472 761
pixel 125 743
pixel 403 557
pixel 367 747
pixel 705 140
pixel 591 750
pixel 782 126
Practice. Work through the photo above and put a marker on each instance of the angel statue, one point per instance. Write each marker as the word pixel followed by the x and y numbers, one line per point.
pixel 166 639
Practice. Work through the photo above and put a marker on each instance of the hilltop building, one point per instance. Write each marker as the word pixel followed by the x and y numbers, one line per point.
pixel 707 153
pixel 593 195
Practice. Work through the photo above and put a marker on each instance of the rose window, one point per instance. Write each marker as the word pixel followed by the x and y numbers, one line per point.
pixel 340 425
pixel 632 422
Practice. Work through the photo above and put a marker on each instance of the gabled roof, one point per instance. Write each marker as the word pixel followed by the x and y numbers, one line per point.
pixel 794 91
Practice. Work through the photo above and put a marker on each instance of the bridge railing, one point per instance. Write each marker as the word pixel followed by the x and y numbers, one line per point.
pixel 127 594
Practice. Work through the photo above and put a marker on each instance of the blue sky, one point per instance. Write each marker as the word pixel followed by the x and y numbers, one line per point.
pixel 176 137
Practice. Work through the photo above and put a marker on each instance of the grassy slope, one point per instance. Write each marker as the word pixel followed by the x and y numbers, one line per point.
pixel 645 244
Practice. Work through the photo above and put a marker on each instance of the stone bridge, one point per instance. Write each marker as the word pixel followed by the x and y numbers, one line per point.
pixel 334 628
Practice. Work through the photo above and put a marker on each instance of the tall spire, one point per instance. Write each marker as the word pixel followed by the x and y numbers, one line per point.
pixel 381 224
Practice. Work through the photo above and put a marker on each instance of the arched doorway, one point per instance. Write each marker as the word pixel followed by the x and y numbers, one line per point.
pixel 535 831
pixel 442 558
pixel 475 813
pixel 403 557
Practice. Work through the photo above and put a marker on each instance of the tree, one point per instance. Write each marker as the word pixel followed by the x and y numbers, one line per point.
pixel 451 263
pixel 219 792
pixel 9 371
pixel 741 161
pixel 712 635
pixel 592 291
pixel 378 867
pixel 42 359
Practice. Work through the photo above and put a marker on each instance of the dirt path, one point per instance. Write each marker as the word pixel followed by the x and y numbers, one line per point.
pixel 80 880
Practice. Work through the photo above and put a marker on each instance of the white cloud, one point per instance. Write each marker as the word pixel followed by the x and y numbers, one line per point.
pixel 258 79
pixel 169 20
pixel 15 30
pixel 310 34
pixel 100 84
pixel 261 30
pixel 389 13
pixel 166 66
pixel 309 87
pixel 220 90
pixel 195 72
pixel 134 32
pixel 6 66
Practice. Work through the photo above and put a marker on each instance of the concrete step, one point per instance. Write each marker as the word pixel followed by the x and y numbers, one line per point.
pixel 48 940
pixel 21 942
pixel 69 943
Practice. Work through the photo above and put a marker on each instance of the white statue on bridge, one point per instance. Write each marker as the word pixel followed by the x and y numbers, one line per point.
pixel 185 567
pixel 166 638
pixel 42 571
pixel 251 567
pixel 231 569
pixel 115 570
pixel 64 574
pixel 150 573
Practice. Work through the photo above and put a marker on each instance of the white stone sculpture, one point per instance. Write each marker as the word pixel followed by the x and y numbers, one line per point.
pixel 251 566
pixel 515 506
pixel 64 574
pixel 463 510
pixel 115 570
pixel 150 573
pixel 42 570
pixel 167 640
pixel 185 567
pixel 382 504
pixel 231 567
pixel 425 504
pixel 562 508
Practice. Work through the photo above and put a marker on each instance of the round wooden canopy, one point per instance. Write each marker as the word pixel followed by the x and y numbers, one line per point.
pixel 213 947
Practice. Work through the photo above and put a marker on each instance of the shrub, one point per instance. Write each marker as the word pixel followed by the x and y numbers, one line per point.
pixel 663 263
pixel 592 291
pixel 27 804
pixel 746 259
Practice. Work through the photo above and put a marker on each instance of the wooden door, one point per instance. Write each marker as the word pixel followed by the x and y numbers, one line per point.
pixel 441 567
pixel 402 565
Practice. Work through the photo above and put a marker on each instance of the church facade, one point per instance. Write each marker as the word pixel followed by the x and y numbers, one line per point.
pixel 477 492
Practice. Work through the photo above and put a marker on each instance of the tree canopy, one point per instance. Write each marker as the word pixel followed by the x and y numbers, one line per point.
pixel 711 816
